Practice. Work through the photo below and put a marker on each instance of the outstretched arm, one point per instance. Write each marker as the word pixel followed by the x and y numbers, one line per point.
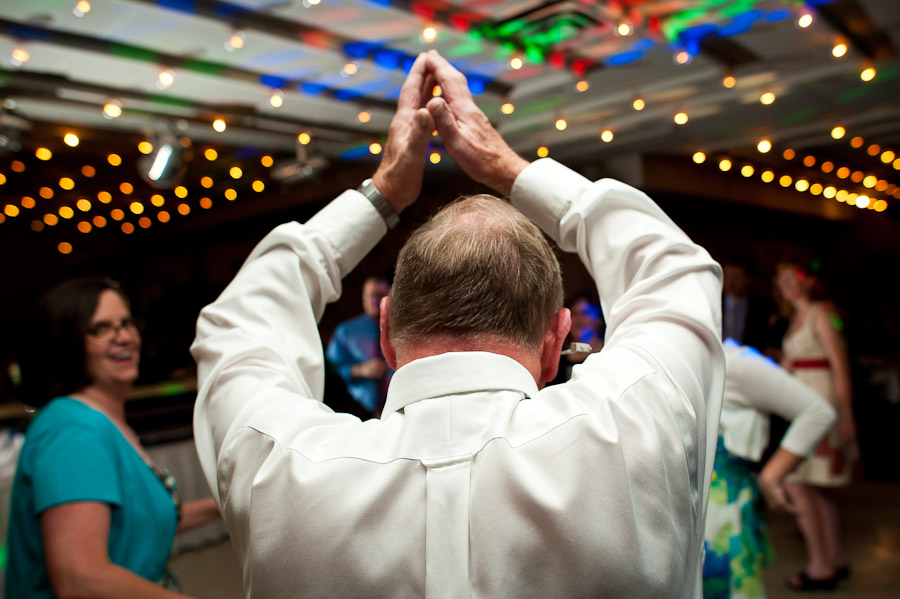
pixel 257 346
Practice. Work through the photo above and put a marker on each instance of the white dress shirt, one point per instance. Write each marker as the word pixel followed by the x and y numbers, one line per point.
pixel 756 387
pixel 473 483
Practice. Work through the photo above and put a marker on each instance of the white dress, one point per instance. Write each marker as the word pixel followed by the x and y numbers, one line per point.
pixel 830 465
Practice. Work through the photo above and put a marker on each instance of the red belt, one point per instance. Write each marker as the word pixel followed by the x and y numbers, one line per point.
pixel 821 363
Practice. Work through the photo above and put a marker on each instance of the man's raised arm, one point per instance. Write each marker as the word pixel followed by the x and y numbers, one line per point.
pixel 660 291
pixel 258 345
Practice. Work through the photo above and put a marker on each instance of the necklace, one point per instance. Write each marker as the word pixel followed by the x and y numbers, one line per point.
pixel 163 474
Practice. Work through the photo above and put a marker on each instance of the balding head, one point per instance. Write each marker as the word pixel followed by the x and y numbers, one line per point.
pixel 477 269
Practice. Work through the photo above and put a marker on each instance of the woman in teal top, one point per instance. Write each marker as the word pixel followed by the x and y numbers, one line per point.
pixel 91 514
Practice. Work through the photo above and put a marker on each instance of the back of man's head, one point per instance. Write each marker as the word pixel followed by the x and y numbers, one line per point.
pixel 478 268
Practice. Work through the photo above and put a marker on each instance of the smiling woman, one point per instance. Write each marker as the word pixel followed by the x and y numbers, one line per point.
pixel 83 478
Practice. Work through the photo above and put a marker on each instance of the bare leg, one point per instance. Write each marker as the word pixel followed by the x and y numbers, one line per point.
pixel 831 528
pixel 805 498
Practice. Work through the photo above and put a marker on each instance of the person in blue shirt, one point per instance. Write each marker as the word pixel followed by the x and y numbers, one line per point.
pixel 91 514
pixel 355 350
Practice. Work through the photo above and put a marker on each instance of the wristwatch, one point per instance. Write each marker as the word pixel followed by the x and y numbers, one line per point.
pixel 372 194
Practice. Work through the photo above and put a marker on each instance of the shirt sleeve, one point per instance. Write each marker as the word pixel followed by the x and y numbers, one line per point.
pixel 75 464
pixel 660 292
pixel 768 388
pixel 258 344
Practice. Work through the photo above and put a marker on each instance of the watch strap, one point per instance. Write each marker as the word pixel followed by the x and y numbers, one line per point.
pixel 372 194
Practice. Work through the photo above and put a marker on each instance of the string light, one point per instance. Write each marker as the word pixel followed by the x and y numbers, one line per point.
pixel 867 74
pixel 184 209
pixel 163 216
pixel 809 161
pixel 349 69
pixel 145 222
pixel 543 152
pixel 788 154
pixel 375 148
pixel 66 183
pixel 145 147
pixel 435 157
pixel 235 41
pixel 157 200
pixel 117 214
pixel 105 197
pixel 839 50
pixel 873 150
pixel 638 104
pixel 606 135
pixel 785 181
pixel 515 63
pixel 507 108
pixel 764 146
pixel 729 81
pixel 112 109
pixel 230 195
pixel 838 132
pixel 801 185
pixel 725 164
pixel 88 171
pixel 870 181
pixel 682 57
pixel 210 154
pixel 747 170
pixel 699 157
pixel 364 116
pixel 64 247
pixel 304 138
pixel 206 182
pixel 127 228
pixel 181 191
pixel 624 29
pixel 17 166
pixel 136 207
pixel 561 124
pixel 19 57
pixel 680 118
pixel 219 125
pixel 429 34
pixel 126 187
pixel 82 8
pixel 28 202
pixel 857 142
pixel 266 161
pixel 887 156
pixel 258 186
pixel 50 220
pixel 843 172
pixel 582 86
pixel 205 203
pixel 767 98
pixel 165 79
pixel 805 20
pixel 84 226
pixel 235 172
pixel 276 98
pixel 43 154
pixel 114 159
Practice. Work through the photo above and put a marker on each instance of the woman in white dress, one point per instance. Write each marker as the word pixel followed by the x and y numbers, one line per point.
pixel 814 352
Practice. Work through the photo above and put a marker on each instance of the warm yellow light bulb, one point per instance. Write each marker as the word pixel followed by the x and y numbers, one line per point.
pixel 764 146
pixel 235 172
pixel 507 108
pixel 699 157
pixel 435 157
pixel 606 135
pixel 43 154
pixel 145 147
pixel 543 152
pixel 805 20
pixel 515 63
pixel 638 104
pixel 725 164
pixel 304 138
pixel 561 124
pixel 364 116
pixel 767 98
pixel 867 74
pixel 838 132
pixel 747 170
pixel 839 50
pixel 582 86
pixel 71 140
pixel 375 148
pixel 429 34
pixel 680 118
pixel 210 154
pixel 729 81
pixel 219 125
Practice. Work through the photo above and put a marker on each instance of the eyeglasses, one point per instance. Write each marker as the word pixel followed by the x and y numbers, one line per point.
pixel 105 331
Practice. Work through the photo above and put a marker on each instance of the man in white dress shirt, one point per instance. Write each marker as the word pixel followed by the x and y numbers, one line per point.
pixel 475 482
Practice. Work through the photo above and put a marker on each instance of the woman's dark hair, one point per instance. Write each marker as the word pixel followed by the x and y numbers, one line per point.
pixel 53 358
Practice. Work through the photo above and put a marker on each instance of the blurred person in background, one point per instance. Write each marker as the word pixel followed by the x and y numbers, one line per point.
pixel 91 514
pixel 736 539
pixel 814 352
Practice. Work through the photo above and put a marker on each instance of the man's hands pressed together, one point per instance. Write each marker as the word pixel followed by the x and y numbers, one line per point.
pixel 467 134
pixel 399 176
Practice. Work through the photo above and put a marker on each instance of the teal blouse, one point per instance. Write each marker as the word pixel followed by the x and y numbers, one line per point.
pixel 75 453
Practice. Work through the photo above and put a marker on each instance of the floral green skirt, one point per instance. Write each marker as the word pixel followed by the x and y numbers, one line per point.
pixel 736 540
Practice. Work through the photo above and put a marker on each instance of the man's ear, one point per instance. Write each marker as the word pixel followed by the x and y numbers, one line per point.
pixel 551 346
pixel 390 356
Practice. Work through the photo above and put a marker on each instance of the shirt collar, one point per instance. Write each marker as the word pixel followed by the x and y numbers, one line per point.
pixel 456 372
